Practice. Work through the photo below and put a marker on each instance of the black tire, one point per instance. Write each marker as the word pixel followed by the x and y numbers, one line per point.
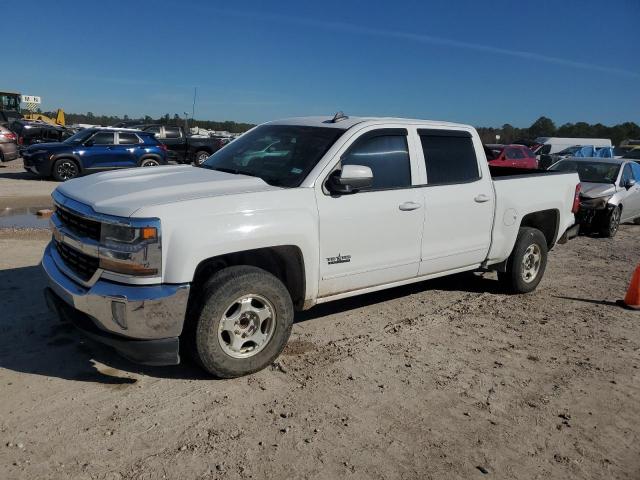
pixel 636 221
pixel 65 169
pixel 149 162
pixel 612 223
pixel 518 278
pixel 206 338
pixel 200 157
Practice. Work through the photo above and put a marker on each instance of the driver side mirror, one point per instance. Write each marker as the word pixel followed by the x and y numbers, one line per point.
pixel 629 183
pixel 89 143
pixel 350 179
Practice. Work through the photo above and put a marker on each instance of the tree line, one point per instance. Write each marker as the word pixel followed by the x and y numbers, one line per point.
pixel 166 119
pixel 542 127
pixel 545 127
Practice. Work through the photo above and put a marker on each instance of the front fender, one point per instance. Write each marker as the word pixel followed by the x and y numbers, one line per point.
pixel 197 230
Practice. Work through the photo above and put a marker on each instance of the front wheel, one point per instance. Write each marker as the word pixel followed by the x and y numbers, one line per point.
pixel 612 223
pixel 201 156
pixel 244 321
pixel 64 169
pixel 527 262
pixel 149 162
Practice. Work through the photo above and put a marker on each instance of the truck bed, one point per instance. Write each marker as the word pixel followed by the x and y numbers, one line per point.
pixel 519 192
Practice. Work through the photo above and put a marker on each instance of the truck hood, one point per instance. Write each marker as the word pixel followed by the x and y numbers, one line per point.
pixel 122 192
pixel 596 190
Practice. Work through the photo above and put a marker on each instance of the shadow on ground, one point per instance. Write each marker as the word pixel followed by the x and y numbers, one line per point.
pixel 34 341
pixel 20 176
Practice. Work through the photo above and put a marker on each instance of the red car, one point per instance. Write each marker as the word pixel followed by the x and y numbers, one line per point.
pixel 517 156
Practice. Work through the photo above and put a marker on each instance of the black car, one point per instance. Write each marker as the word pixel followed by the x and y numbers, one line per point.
pixel 184 148
pixel 31 133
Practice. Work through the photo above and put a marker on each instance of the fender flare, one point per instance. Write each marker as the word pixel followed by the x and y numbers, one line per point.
pixel 54 158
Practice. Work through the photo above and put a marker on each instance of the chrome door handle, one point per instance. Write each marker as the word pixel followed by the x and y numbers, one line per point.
pixel 408 206
pixel 482 198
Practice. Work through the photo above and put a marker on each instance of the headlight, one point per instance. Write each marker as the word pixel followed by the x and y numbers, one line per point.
pixel 598 203
pixel 131 250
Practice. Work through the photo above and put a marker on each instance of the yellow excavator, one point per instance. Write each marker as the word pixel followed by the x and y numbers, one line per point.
pixel 10 102
pixel 59 120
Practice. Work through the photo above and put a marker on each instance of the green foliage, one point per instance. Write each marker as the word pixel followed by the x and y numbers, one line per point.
pixel 166 119
pixel 544 127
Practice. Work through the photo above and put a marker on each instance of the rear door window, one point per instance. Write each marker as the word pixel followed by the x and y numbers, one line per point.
pixel 125 138
pixel 386 153
pixel 449 156
pixel 172 132
pixel 635 168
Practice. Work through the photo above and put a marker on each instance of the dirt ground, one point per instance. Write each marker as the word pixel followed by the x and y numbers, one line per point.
pixel 444 379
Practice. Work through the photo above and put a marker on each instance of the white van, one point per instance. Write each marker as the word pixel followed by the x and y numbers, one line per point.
pixel 550 145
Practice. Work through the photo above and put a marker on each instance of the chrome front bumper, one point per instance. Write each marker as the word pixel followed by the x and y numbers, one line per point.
pixel 141 312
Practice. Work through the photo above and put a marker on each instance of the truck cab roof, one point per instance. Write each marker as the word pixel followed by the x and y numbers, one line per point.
pixel 344 123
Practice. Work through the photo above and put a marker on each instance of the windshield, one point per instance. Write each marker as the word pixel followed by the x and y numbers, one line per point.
pixel 79 137
pixel 281 155
pixel 594 172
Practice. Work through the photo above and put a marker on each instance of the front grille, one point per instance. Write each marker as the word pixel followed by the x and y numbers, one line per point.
pixel 81 264
pixel 79 225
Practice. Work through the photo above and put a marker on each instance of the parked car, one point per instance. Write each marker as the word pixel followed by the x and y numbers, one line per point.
pixel 516 156
pixel 633 154
pixel 93 150
pixel 545 147
pixel 610 192
pixel 183 148
pixel 31 133
pixel 223 254
pixel 8 145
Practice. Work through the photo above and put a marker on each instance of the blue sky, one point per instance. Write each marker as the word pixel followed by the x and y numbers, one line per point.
pixel 479 62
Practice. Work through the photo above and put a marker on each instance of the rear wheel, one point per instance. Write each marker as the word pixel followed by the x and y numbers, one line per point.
pixel 201 156
pixel 64 169
pixel 243 323
pixel 527 262
pixel 612 223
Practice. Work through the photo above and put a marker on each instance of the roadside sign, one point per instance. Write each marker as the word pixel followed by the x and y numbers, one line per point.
pixel 31 99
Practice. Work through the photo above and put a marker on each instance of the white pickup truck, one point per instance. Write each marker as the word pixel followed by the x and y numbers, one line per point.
pixel 293 213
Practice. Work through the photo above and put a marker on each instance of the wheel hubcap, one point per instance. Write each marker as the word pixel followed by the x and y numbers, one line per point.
pixel 150 163
pixel 246 326
pixel 201 158
pixel 531 263
pixel 67 170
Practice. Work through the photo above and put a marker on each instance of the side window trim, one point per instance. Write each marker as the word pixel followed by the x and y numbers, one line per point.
pixel 375 132
pixel 381 132
pixel 432 132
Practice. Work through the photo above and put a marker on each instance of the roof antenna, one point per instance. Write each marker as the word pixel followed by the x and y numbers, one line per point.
pixel 338 116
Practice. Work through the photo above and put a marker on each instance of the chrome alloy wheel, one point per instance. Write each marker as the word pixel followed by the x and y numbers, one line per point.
pixel 67 169
pixel 614 221
pixel 246 326
pixel 150 163
pixel 531 263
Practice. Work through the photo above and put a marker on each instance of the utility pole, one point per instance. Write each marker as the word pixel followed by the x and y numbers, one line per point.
pixel 193 108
